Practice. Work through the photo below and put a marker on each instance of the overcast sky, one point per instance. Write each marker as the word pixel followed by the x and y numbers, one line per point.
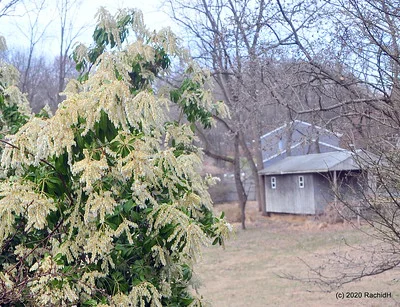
pixel 14 27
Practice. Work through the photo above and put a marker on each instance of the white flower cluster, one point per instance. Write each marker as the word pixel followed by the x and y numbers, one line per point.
pixel 47 295
pixel 141 295
pixel 180 134
pixel 20 198
pixel 185 231
pixel 9 77
pixel 91 170
pixel 106 21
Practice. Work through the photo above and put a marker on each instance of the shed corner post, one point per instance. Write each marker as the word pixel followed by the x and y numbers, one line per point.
pixel 264 196
pixel 335 188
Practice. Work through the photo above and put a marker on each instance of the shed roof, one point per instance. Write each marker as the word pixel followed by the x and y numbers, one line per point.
pixel 299 123
pixel 301 143
pixel 313 163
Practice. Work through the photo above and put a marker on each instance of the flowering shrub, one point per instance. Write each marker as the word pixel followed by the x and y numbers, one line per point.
pixel 103 204
pixel 14 107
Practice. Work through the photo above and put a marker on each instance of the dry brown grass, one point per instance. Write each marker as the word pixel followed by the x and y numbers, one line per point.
pixel 246 272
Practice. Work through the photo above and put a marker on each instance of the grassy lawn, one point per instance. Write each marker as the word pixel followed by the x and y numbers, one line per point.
pixel 247 272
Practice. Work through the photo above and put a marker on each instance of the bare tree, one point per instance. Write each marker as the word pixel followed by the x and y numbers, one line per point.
pixel 361 65
pixel 34 35
pixel 68 36
pixel 7 7
pixel 41 87
pixel 227 37
pixel 37 80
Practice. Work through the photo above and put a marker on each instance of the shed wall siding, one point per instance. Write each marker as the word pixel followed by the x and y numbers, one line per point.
pixel 323 193
pixel 288 197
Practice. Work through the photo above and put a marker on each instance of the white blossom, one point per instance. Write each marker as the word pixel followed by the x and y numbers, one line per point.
pixel 91 170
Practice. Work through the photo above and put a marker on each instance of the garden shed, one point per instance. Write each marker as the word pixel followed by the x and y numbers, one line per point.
pixel 305 184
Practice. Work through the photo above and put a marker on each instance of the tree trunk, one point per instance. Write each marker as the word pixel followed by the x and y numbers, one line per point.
pixel 253 167
pixel 242 197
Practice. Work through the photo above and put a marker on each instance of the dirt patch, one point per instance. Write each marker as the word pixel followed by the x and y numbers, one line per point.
pixel 247 272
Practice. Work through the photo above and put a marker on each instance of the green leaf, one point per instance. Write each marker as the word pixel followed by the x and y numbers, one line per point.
pixel 90 302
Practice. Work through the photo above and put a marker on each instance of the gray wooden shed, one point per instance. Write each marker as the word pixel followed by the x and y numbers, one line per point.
pixel 305 184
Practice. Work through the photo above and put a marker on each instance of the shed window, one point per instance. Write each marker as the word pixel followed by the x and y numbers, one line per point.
pixel 273 182
pixel 301 182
